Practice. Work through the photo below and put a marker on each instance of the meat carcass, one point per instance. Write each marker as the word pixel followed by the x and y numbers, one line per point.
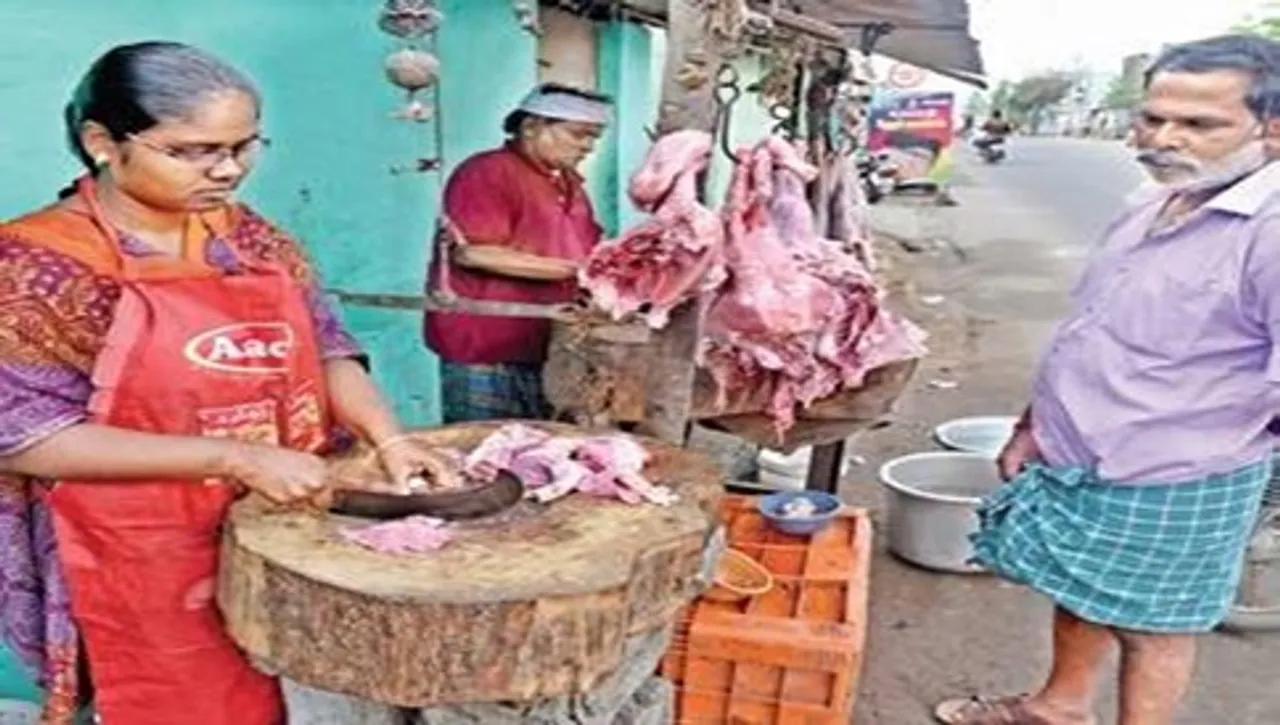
pixel 674 255
pixel 552 467
pixel 848 211
pixel 799 318
pixel 412 535
pixel 761 327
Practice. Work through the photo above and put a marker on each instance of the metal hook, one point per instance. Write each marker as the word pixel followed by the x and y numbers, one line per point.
pixel 784 115
pixel 726 94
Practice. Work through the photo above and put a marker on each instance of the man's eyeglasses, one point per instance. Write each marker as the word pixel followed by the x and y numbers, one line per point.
pixel 208 156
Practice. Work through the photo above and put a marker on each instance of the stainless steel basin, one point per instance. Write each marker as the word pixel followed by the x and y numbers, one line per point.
pixel 933 499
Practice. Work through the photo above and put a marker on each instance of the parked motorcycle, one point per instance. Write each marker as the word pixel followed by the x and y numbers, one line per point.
pixel 878 175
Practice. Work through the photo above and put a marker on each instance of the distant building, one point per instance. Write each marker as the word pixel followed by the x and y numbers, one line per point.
pixel 1114 120
pixel 1133 68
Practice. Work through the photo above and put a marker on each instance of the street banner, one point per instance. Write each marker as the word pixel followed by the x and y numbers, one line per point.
pixel 916 129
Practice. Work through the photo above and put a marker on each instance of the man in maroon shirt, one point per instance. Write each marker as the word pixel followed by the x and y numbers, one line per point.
pixel 523 225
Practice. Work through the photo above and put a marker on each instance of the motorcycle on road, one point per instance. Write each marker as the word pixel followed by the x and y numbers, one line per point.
pixel 991 148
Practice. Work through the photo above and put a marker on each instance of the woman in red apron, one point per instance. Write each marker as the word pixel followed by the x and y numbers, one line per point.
pixel 162 349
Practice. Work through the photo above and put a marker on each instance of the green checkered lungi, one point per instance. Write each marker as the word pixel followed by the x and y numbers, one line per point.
pixel 1147 558
pixel 492 392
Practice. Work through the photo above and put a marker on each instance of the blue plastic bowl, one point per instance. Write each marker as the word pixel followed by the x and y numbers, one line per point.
pixel 773 506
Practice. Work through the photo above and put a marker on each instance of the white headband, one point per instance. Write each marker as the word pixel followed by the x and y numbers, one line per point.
pixel 565 107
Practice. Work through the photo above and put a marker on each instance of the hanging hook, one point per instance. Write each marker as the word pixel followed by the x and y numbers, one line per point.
pixel 726 94
pixel 784 125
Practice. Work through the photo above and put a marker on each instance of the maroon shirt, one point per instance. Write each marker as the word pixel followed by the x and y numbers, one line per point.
pixel 502 198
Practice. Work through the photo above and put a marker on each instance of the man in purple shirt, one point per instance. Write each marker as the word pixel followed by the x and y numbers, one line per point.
pixel 1137 472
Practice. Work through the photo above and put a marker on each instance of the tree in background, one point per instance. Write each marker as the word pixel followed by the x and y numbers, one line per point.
pixel 1266 22
pixel 1122 94
pixel 1030 98
pixel 978 106
pixel 1001 95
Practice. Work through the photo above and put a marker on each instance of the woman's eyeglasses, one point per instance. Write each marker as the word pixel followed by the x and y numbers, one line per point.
pixel 208 156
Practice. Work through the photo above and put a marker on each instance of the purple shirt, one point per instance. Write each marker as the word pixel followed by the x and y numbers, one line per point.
pixel 1167 369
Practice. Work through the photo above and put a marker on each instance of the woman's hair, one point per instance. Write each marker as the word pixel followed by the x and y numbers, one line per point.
pixel 134 87
pixel 515 120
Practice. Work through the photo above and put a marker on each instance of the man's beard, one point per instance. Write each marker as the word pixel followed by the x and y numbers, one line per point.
pixel 1185 174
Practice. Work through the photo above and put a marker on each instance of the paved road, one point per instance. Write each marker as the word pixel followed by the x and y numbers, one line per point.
pixel 1082 183
pixel 1022 229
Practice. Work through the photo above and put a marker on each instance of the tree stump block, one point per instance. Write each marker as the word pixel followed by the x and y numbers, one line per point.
pixel 537 602
pixel 604 705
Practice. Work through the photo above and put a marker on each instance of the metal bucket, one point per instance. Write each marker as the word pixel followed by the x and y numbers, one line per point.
pixel 984 434
pixel 933 501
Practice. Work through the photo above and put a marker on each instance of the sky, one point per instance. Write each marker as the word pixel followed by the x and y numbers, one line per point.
pixel 1020 37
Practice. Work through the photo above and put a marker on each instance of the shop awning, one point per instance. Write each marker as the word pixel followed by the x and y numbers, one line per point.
pixel 931 34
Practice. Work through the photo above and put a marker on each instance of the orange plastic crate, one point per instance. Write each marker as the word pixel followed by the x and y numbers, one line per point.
pixel 791 656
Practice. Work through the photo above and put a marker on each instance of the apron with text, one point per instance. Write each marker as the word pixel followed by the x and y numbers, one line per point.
pixel 196 353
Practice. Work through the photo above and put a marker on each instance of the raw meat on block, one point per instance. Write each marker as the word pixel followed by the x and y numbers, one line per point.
pixel 551 467
pixel 498 451
pixel 412 535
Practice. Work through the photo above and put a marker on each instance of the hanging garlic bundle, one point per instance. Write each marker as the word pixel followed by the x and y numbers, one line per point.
pixel 409 19
pixel 411 68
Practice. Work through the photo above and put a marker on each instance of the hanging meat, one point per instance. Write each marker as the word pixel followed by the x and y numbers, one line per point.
pixel 799 318
pixel 793 318
pixel 674 255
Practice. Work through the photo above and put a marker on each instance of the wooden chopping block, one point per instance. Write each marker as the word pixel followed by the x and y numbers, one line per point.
pixel 537 602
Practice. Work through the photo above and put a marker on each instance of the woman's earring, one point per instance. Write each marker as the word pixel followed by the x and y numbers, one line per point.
pixel 100 162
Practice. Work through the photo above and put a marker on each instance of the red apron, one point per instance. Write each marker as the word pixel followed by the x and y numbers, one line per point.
pixel 190 352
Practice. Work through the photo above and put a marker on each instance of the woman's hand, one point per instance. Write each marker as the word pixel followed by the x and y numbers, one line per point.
pixel 281 475
pixel 404 459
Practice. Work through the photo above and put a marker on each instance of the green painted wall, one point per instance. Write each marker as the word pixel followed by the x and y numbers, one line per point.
pixel 626 73
pixel 749 123
pixel 327 176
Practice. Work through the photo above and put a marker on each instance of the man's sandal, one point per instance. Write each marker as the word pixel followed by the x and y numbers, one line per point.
pixel 987 711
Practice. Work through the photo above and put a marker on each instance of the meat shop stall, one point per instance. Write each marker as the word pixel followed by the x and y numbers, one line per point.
pixel 759 313
pixel 596 570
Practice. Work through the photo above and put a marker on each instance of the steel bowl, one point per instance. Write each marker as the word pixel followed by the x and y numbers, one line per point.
pixel 982 434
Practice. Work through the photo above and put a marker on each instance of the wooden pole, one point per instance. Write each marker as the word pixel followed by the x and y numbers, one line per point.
pixel 687 102
pixel 826 71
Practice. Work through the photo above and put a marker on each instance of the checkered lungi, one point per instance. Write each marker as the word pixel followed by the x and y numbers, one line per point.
pixel 1149 558
pixel 492 392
